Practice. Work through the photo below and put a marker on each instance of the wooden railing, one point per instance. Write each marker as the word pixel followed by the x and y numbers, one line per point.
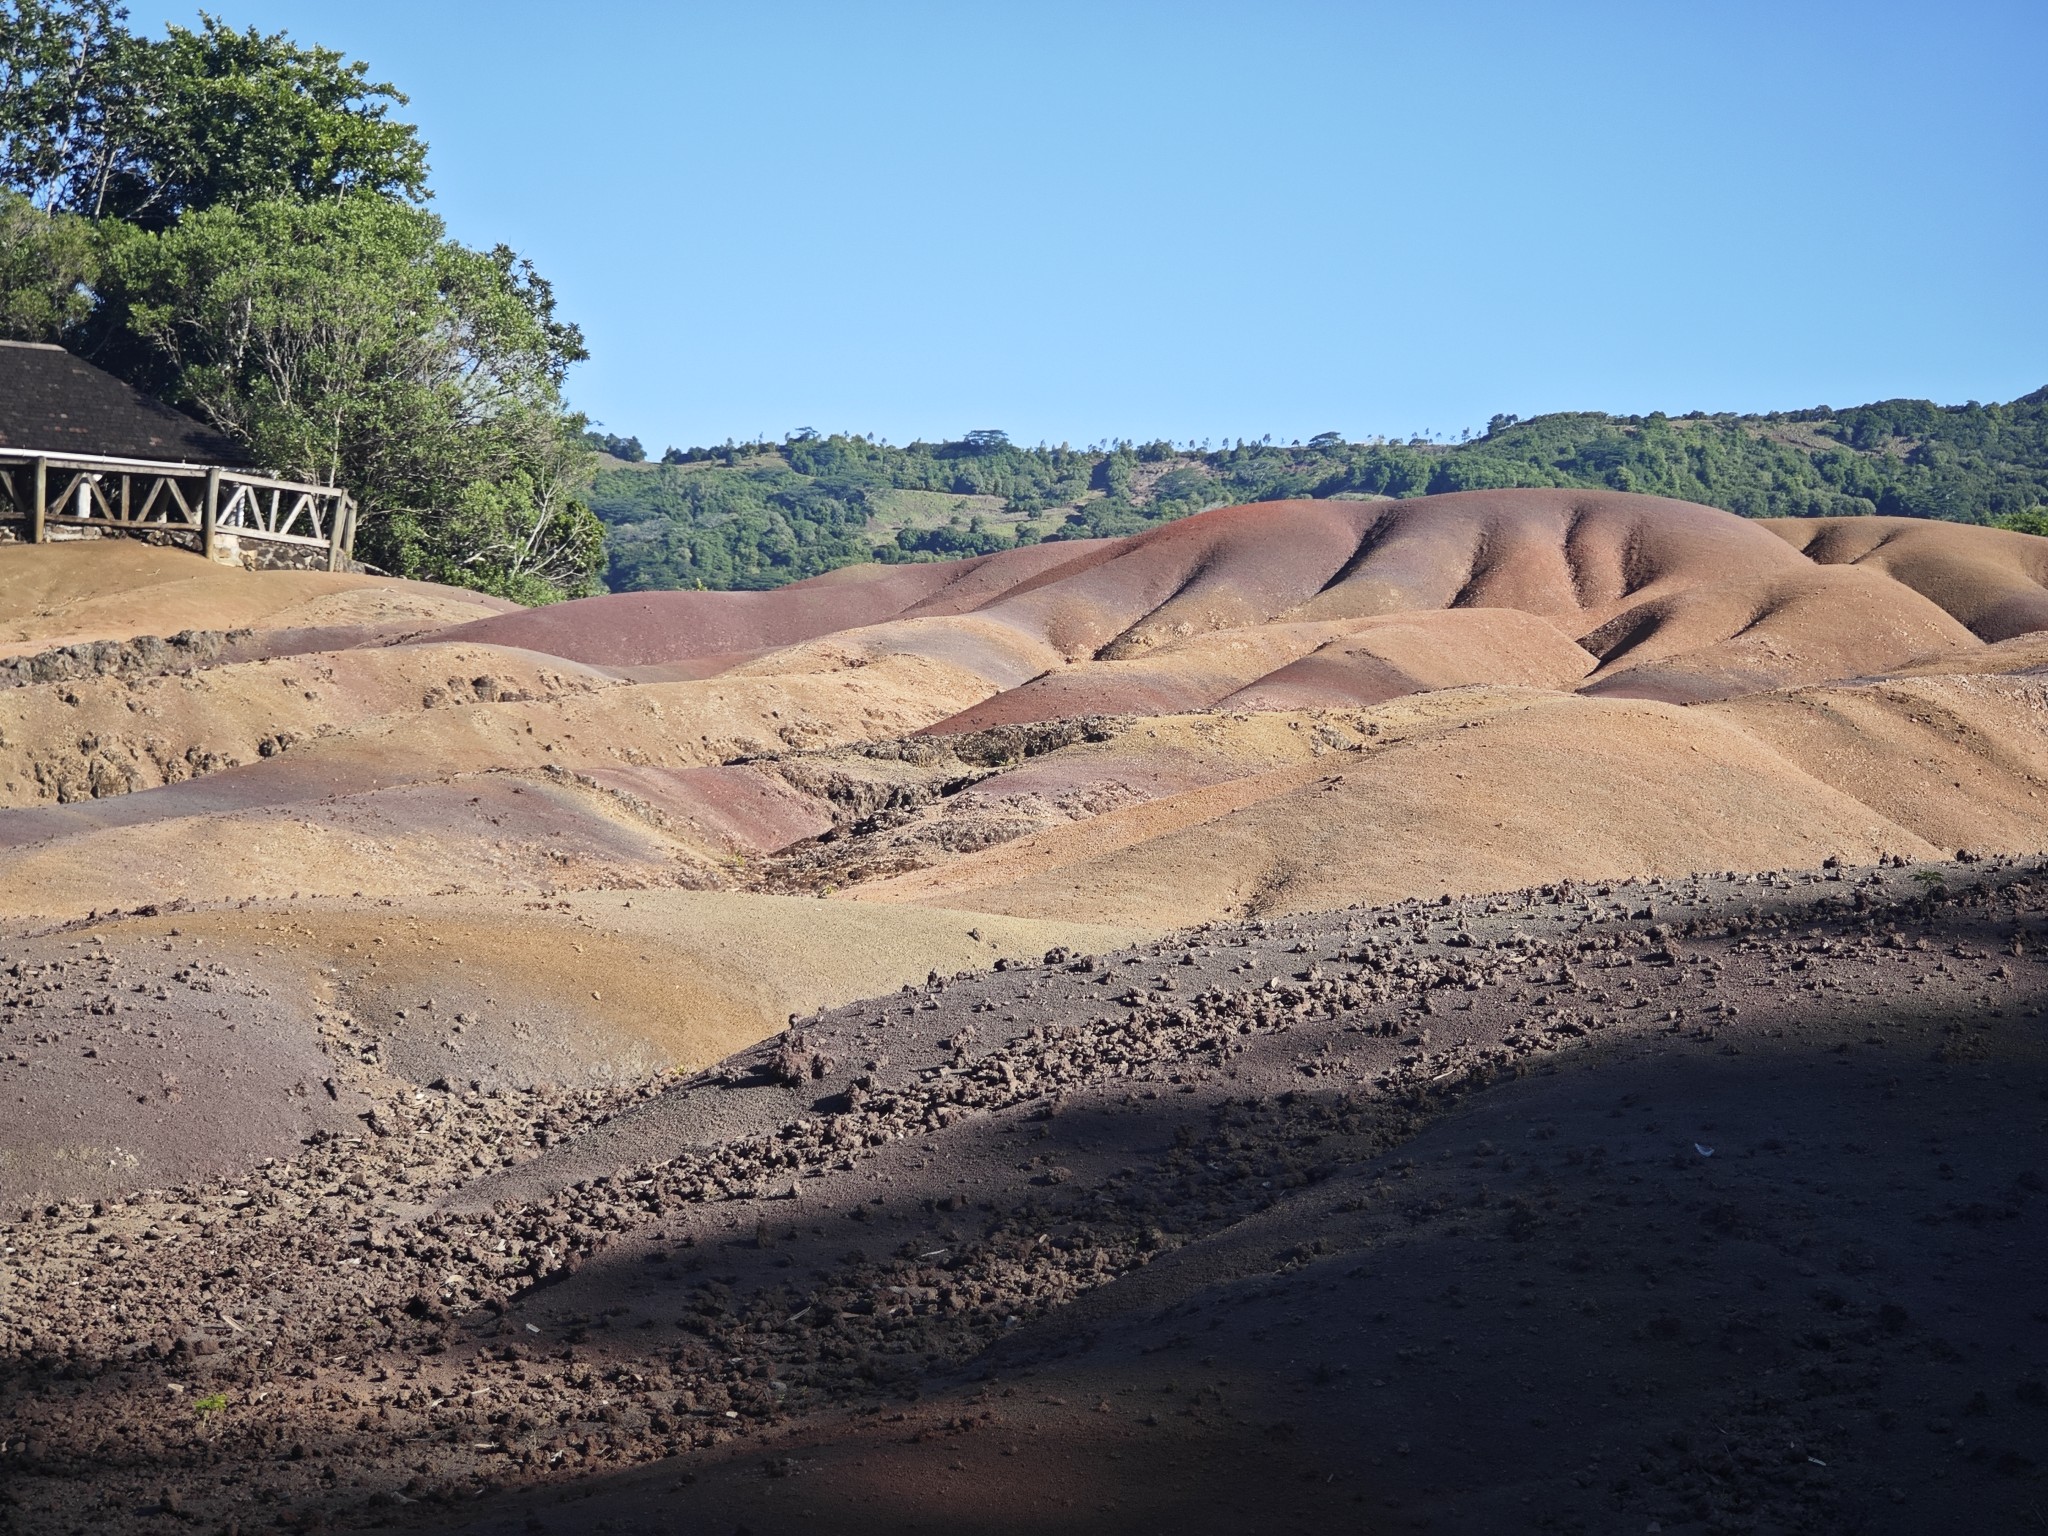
pixel 79 490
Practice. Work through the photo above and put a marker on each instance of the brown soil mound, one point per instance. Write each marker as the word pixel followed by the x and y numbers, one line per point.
pixel 1621 569
pixel 1722 639
pixel 1478 790
pixel 748 807
pixel 1564 786
pixel 1993 581
pixel 1296 666
pixel 92 589
pixel 1675 600
pixel 1389 658
pixel 126 849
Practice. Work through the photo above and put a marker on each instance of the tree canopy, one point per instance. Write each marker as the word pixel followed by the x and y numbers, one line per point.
pixel 98 121
pixel 234 222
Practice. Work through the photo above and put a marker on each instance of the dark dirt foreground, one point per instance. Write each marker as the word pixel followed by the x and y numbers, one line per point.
pixel 1698 1206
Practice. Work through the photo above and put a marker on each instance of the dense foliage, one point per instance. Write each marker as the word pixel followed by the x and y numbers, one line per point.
pixel 232 221
pixel 760 514
pixel 98 121
pixel 627 448
pixel 1898 458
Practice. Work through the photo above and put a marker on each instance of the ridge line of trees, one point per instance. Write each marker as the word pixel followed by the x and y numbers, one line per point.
pixel 756 515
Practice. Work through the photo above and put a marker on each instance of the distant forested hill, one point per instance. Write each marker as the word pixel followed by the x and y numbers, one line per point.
pixel 758 515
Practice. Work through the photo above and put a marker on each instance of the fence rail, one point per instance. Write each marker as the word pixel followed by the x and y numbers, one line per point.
pixel 77 490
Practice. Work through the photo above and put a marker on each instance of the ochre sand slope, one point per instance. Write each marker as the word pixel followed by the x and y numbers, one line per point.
pixel 1328 663
pixel 1481 790
pixel 1993 581
pixel 95 589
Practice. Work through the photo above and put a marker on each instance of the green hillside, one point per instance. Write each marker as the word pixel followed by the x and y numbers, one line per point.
pixel 758 515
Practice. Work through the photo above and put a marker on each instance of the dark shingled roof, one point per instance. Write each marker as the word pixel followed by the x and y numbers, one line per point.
pixel 56 403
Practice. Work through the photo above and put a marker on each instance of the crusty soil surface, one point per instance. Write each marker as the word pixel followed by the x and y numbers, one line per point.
pixel 1711 1204
pixel 150 1051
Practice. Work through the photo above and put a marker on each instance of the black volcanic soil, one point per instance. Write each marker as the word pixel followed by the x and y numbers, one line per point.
pixel 1713 1205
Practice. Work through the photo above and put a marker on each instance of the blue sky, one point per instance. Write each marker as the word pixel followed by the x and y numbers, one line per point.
pixel 1183 220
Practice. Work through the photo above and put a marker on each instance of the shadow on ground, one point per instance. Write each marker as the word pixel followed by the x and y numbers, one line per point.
pixel 1791 1287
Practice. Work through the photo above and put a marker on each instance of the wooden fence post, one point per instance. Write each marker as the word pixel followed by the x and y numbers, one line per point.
pixel 335 514
pixel 41 508
pixel 211 513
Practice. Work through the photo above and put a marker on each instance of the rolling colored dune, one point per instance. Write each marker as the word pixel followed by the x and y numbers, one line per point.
pixel 466 1047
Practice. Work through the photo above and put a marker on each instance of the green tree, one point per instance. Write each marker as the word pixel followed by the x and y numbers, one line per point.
pixel 349 341
pixel 48 265
pixel 628 448
pixel 231 220
pixel 62 65
pixel 96 120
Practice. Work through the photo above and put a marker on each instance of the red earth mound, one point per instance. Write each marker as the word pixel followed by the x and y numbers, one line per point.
pixel 1672 601
pixel 641 629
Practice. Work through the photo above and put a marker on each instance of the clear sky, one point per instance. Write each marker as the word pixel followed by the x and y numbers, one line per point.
pixel 1187 220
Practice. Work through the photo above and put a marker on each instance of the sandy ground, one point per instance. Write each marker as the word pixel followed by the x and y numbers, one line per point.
pixel 90 589
pixel 1704 1204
